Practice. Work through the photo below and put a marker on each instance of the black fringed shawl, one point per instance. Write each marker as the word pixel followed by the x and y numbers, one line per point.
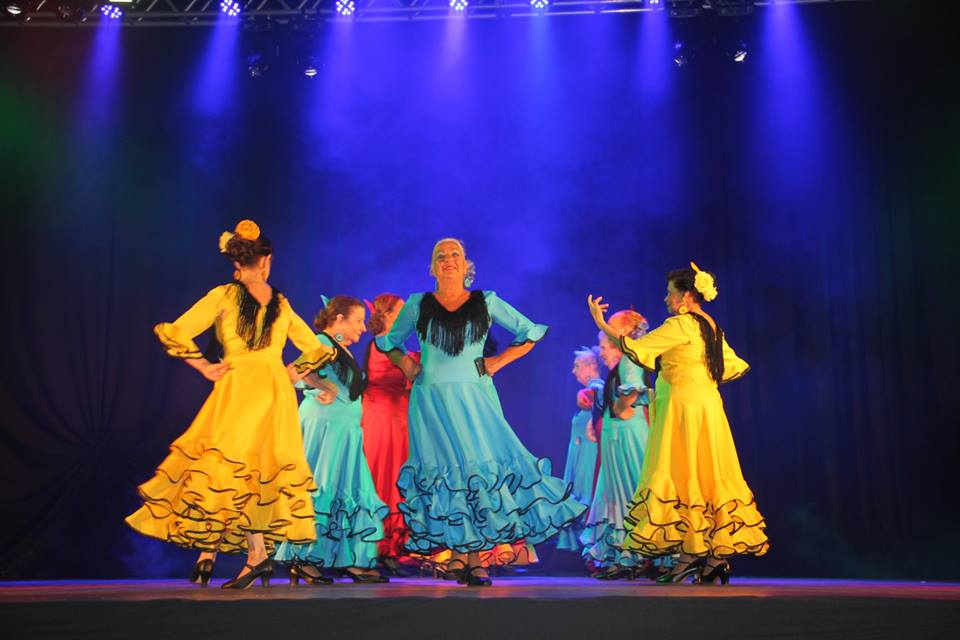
pixel 447 330
pixel 247 318
pixel 714 347
pixel 348 371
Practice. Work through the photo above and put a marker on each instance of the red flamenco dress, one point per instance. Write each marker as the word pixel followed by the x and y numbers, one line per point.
pixel 386 441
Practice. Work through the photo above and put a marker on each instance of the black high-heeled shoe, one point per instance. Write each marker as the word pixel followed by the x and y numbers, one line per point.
pixel 201 572
pixel 455 573
pixel 471 579
pixel 617 572
pixel 363 578
pixel 711 574
pixel 391 566
pixel 297 573
pixel 690 570
pixel 263 571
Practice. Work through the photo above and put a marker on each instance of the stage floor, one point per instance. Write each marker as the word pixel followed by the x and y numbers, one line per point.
pixel 539 588
pixel 515 607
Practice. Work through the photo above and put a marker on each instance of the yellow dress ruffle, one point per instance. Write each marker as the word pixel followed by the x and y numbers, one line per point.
pixel 692 496
pixel 240 466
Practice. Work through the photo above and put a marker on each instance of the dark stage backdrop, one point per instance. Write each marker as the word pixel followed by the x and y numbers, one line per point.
pixel 818 180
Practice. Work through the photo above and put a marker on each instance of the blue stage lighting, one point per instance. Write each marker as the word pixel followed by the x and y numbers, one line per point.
pixel 230 7
pixel 111 12
pixel 539 4
pixel 459 5
pixel 346 7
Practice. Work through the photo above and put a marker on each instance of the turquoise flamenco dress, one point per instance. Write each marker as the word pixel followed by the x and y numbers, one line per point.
pixel 581 466
pixel 469 484
pixel 348 512
pixel 622 447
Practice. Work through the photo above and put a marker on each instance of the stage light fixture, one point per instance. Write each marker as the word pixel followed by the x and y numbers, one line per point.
pixel 459 5
pixel 310 68
pixel 684 8
pixel 230 7
pixel 346 7
pixel 539 4
pixel 111 12
pixel 14 8
pixel 682 55
pixel 733 8
pixel 653 3
pixel 65 12
pixel 738 51
pixel 256 65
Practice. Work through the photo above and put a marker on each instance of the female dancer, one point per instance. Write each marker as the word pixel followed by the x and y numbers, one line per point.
pixel 692 497
pixel 582 450
pixel 622 444
pixel 237 479
pixel 349 514
pixel 385 404
pixel 469 484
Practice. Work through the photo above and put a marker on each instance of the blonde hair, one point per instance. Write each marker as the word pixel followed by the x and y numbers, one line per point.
pixel 588 355
pixel 471 274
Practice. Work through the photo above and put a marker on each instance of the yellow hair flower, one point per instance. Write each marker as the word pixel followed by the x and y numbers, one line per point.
pixel 247 229
pixel 224 239
pixel 704 283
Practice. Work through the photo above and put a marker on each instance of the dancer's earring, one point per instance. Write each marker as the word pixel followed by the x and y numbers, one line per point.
pixel 683 309
pixel 338 337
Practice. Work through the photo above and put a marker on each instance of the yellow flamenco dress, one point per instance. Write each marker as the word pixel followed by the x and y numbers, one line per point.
pixel 692 497
pixel 240 466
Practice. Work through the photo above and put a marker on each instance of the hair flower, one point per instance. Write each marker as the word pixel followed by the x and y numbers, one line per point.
pixel 247 229
pixel 704 283
pixel 225 237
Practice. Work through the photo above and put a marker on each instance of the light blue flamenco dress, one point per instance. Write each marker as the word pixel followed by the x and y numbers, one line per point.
pixel 622 447
pixel 469 484
pixel 348 512
pixel 581 465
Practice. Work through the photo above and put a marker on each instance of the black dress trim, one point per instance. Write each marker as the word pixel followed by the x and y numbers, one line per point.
pixel 347 370
pixel 249 307
pixel 450 331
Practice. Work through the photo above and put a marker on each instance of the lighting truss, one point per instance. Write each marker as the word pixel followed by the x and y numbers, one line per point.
pixel 307 14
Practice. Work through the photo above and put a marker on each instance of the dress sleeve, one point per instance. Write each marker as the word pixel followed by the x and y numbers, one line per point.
pixel 519 325
pixel 644 350
pixel 177 336
pixel 403 327
pixel 314 353
pixel 631 379
pixel 733 366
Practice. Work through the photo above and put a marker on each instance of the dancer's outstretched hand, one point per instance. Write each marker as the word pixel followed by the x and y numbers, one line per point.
pixel 597 310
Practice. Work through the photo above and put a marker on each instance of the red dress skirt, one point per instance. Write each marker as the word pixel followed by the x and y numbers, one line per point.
pixel 386 442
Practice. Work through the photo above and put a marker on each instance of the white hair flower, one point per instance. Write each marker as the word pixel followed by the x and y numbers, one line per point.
pixel 704 283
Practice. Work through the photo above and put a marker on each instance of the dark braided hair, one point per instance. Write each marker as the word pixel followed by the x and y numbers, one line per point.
pixel 683 281
pixel 246 252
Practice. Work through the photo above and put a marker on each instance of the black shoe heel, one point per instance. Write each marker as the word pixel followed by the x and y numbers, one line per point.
pixel 263 571
pixel 720 572
pixel 201 572
pixel 691 570
pixel 297 572
pixel 363 578
pixel 471 579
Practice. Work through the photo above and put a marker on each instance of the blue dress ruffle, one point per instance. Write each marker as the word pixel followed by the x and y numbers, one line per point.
pixel 622 447
pixel 581 467
pixel 349 514
pixel 469 484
